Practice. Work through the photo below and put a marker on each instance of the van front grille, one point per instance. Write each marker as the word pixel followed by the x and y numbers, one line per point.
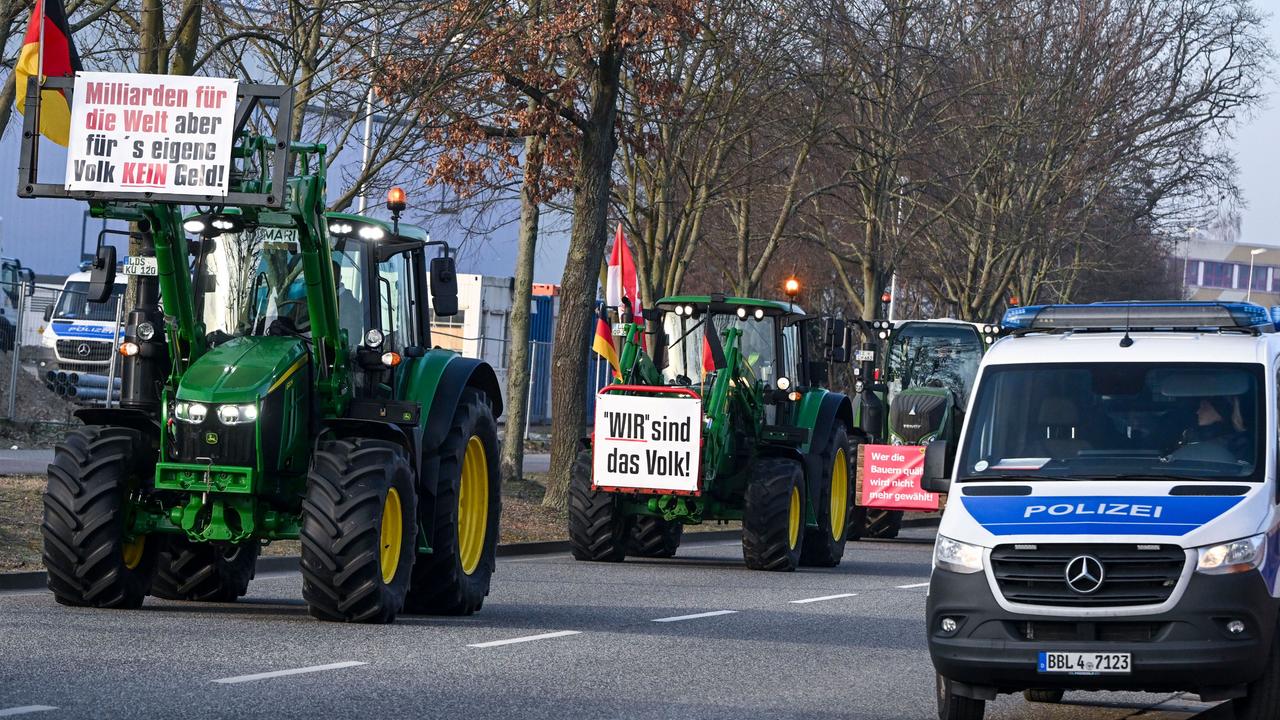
pixel 1132 574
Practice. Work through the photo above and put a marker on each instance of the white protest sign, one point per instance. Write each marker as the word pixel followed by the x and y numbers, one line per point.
pixel 647 442
pixel 168 134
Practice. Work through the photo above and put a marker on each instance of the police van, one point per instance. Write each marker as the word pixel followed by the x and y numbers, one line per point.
pixel 79 335
pixel 1112 517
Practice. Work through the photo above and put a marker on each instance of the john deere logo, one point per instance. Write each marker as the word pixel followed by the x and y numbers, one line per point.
pixel 211 438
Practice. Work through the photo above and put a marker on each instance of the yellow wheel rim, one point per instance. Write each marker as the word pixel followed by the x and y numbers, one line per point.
pixel 793 527
pixel 473 505
pixel 132 552
pixel 392 535
pixel 839 494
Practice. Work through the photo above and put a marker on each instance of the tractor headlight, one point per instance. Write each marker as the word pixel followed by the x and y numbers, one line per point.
pixel 956 556
pixel 784 383
pixel 759 314
pixel 237 414
pixel 190 412
pixel 1233 557
pixel 372 232
pixel 742 313
pixel 146 331
pixel 194 226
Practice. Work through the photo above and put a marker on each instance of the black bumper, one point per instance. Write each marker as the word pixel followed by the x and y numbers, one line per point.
pixel 1185 649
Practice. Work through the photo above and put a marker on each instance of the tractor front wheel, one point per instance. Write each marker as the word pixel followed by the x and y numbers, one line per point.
pixel 598 530
pixel 91 559
pixel 454 578
pixel 654 537
pixel 824 545
pixel 773 516
pixel 204 572
pixel 359 531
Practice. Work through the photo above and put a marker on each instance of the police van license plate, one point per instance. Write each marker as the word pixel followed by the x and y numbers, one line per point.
pixel 1086 663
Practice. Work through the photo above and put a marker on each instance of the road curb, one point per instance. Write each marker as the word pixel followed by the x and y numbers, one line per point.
pixel 289 563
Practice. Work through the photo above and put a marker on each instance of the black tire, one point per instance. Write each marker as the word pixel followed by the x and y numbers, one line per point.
pixel 654 537
pixel 824 545
pixel 349 490
pixel 1052 697
pixel 882 524
pixel 94 470
pixel 957 707
pixel 443 584
pixel 204 572
pixel 771 538
pixel 598 531
pixel 1263 695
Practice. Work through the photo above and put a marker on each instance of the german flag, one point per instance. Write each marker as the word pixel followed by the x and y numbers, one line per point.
pixel 60 59
pixel 603 341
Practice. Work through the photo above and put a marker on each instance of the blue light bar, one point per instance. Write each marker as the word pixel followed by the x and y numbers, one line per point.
pixel 1120 316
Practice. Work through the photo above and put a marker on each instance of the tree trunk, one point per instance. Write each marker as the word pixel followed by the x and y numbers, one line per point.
pixel 587 241
pixel 518 369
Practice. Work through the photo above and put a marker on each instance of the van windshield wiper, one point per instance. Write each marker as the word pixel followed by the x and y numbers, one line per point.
pixel 1153 477
pixel 1017 478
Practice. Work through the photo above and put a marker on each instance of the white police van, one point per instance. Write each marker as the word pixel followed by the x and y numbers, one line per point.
pixel 1112 521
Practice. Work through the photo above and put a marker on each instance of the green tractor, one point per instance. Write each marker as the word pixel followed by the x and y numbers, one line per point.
pixel 920 382
pixel 287 390
pixel 727 417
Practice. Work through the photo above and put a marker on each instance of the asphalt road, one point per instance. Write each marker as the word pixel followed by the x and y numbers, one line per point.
pixel 697 636
pixel 34 462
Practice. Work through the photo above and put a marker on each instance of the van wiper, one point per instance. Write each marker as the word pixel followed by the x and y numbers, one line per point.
pixel 1017 478
pixel 1172 477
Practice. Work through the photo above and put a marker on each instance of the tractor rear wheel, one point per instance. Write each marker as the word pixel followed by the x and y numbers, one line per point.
pixel 598 530
pixel 824 545
pixel 454 578
pixel 654 537
pixel 773 516
pixel 90 557
pixel 882 524
pixel 359 531
pixel 204 572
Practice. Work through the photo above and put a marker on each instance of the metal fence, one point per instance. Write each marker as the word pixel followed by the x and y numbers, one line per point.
pixel 57 352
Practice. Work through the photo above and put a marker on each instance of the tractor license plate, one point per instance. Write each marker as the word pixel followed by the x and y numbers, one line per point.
pixel 864 356
pixel 278 237
pixel 1085 663
pixel 138 265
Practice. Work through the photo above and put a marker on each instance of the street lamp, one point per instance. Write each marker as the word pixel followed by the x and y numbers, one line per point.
pixel 1252 254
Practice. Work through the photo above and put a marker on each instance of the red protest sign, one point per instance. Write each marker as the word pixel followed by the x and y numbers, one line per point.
pixel 889 478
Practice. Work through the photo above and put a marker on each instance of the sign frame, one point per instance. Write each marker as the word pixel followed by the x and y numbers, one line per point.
pixel 654 392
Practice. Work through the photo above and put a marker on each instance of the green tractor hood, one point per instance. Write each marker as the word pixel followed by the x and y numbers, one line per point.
pixel 242 370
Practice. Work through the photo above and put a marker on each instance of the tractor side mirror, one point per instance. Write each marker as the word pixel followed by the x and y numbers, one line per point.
pixel 837 340
pixel 102 275
pixel 444 286
pixel 28 280
pixel 48 312
pixel 938 458
pixel 659 351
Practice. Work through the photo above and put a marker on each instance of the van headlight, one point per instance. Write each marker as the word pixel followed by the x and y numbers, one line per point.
pixel 236 414
pixel 1233 557
pixel 956 556
pixel 190 412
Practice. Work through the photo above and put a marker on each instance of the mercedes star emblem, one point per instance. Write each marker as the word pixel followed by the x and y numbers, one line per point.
pixel 82 349
pixel 1084 574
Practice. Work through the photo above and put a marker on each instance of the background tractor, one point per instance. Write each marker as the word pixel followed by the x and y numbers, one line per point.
pixel 919 374
pixel 287 391
pixel 733 394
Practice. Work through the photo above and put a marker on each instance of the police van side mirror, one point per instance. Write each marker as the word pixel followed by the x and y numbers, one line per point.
pixel 48 312
pixel 937 467
pixel 444 286
pixel 102 276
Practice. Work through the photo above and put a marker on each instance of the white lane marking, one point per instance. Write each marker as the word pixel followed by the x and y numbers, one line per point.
pixel 824 597
pixel 526 638
pixel 916 585
pixel 9 712
pixel 282 673
pixel 695 616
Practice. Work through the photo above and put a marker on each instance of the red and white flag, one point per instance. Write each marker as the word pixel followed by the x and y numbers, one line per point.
pixel 622 281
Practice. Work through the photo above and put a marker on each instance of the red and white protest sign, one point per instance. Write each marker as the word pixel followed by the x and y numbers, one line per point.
pixel 890 478
pixel 151 133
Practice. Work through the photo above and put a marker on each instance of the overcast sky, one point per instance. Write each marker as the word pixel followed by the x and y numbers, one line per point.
pixel 1258 154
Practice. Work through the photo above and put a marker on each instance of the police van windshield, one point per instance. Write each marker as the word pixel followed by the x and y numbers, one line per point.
pixel 73 303
pixel 1116 420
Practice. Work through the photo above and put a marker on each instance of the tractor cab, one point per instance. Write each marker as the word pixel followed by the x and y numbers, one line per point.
pixel 765 335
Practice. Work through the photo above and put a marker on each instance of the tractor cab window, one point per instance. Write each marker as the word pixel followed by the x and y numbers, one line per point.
pixel 935 355
pixel 350 287
pixel 689 359
pixel 394 300
pixel 249 286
